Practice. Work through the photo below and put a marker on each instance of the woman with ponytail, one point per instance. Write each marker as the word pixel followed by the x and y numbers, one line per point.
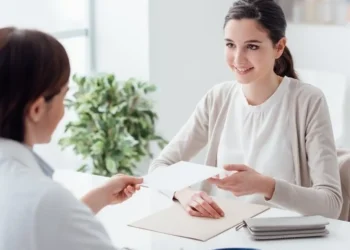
pixel 268 130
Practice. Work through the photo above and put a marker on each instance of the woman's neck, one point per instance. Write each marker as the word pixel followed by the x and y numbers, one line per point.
pixel 28 140
pixel 259 91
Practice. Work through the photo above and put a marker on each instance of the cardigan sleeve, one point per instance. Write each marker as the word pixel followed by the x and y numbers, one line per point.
pixel 324 196
pixel 192 137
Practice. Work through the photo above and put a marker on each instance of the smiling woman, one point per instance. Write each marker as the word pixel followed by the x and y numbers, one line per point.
pixel 265 34
pixel 271 132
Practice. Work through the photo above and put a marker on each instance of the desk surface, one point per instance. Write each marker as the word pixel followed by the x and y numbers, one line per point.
pixel 145 202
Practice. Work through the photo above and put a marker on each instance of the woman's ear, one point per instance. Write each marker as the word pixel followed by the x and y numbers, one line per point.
pixel 280 46
pixel 37 110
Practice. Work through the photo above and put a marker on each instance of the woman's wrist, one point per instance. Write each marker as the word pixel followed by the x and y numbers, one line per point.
pixel 181 193
pixel 267 187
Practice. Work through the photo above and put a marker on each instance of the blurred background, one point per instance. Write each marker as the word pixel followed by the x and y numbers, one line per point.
pixel 178 46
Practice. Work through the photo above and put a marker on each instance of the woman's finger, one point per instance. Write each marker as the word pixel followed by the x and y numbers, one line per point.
pixel 193 212
pixel 198 207
pixel 212 203
pixel 223 181
pixel 127 192
pixel 131 189
pixel 207 207
pixel 224 187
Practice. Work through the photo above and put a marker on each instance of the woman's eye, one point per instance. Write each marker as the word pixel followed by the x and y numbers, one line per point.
pixel 252 47
pixel 229 45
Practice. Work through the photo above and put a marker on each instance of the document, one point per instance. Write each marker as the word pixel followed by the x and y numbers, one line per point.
pixel 175 220
pixel 179 176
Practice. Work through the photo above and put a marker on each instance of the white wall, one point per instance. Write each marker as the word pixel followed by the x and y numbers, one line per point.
pixel 186 56
pixel 122 38
pixel 320 47
pixel 49 16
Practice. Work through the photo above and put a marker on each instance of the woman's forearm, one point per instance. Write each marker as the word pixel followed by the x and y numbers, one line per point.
pixel 96 199
pixel 324 201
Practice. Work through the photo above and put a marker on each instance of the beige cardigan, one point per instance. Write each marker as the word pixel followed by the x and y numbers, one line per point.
pixel 317 189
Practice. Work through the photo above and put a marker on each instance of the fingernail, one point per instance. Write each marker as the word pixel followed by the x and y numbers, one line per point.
pixel 222 214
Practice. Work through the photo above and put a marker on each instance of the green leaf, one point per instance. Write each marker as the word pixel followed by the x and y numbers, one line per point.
pixel 111 79
pixel 150 88
pixel 111 165
pixel 97 148
pixel 65 142
pixel 83 168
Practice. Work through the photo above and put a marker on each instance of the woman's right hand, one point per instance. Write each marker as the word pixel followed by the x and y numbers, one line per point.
pixel 199 204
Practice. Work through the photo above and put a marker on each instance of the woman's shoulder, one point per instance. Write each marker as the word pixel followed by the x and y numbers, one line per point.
pixel 305 91
pixel 57 197
pixel 221 91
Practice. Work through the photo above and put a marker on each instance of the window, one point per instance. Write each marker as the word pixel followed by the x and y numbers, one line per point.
pixel 69 22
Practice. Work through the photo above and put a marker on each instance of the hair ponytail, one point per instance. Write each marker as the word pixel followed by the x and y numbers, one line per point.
pixel 284 66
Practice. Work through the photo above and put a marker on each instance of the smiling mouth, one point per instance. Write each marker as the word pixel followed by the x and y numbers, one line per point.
pixel 243 71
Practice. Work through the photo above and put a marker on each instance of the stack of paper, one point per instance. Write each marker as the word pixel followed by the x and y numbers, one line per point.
pixel 179 176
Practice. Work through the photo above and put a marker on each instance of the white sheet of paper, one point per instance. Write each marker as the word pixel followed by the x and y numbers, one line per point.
pixel 179 176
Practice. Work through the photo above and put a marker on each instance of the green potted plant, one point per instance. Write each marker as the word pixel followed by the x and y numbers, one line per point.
pixel 115 123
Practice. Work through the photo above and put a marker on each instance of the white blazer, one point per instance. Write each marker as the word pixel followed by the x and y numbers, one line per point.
pixel 38 213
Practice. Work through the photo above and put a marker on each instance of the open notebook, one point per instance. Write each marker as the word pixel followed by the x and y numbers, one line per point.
pixel 175 221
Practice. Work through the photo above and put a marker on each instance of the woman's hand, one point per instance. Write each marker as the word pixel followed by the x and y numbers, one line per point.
pixel 121 187
pixel 245 181
pixel 199 204
pixel 116 190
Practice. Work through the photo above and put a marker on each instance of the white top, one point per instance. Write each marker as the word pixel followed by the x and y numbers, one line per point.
pixel 317 189
pixel 39 214
pixel 256 136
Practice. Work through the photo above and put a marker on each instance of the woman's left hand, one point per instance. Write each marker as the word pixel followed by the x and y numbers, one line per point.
pixel 245 181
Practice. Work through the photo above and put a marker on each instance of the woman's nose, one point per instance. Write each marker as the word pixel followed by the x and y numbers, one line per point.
pixel 239 57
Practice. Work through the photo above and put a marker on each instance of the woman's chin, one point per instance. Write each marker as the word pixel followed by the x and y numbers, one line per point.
pixel 244 78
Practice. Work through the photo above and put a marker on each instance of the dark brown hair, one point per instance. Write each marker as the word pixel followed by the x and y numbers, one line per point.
pixel 270 16
pixel 32 64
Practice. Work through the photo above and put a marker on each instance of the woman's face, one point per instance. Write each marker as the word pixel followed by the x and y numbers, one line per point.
pixel 250 53
pixel 43 117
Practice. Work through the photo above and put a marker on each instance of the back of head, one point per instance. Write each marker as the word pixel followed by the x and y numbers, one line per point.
pixel 269 15
pixel 32 65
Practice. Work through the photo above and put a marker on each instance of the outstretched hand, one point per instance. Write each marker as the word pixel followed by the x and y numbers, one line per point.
pixel 116 190
pixel 244 181
pixel 121 187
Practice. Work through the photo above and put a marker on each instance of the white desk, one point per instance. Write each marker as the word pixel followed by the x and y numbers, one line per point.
pixel 145 202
